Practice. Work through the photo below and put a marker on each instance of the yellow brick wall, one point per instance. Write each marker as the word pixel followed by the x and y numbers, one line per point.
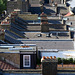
pixel 14 57
pixel 2 36
pixel 28 16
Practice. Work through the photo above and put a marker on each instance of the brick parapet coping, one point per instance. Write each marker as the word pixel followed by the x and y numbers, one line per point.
pixel 35 71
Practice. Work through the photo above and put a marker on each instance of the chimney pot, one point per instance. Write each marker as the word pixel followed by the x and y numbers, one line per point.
pixel 50 57
pixel 54 57
pixel 2 30
pixel 47 57
pixel 44 57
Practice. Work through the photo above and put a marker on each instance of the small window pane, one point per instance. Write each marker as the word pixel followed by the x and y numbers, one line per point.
pixel 26 60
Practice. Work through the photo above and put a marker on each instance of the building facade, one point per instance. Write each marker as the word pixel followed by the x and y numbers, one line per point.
pixel 47 1
pixel 19 55
pixel 22 5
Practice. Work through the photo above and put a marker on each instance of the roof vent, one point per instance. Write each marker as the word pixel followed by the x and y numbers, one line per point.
pixel 47 35
pixel 39 35
pixel 51 35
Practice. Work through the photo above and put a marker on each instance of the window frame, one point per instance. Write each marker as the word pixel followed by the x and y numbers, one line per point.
pixel 24 61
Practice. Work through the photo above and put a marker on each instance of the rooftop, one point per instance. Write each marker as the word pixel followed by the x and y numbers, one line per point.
pixel 16 48
pixel 64 70
pixel 6 66
pixel 52 44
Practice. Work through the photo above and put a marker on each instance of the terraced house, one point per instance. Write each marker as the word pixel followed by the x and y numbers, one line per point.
pixel 24 5
pixel 36 29
pixel 20 5
pixel 44 25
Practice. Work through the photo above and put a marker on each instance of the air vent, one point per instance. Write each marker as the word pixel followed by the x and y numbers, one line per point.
pixel 47 35
pixel 39 35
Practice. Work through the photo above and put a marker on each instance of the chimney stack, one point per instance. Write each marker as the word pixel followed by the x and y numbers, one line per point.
pixel 49 65
pixel 44 23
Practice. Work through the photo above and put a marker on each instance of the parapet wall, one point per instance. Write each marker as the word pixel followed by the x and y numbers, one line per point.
pixel 28 16
pixel 11 5
pixel 33 72
pixel 34 1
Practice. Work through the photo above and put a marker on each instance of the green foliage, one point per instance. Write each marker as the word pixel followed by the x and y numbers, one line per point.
pixel 2 5
pixel 74 61
pixel 66 61
pixel 59 60
pixel 71 60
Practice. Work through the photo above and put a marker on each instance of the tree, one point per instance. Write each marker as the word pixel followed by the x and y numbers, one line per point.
pixel 2 5
pixel 71 60
pixel 59 60
pixel 5 3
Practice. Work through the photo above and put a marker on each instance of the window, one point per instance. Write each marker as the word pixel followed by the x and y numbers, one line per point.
pixel 26 60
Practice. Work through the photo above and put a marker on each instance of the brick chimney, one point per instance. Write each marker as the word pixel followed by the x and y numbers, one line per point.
pixel 49 65
pixel 44 23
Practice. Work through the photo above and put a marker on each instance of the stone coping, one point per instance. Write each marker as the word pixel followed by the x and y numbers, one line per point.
pixel 45 39
pixel 49 60
pixel 36 71
pixel 23 71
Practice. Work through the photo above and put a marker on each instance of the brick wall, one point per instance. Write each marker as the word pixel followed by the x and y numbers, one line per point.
pixel 44 28
pixel 13 57
pixel 23 6
pixel 58 1
pixel 34 1
pixel 28 16
pixel 11 5
pixel 57 27
pixel 49 66
pixel 2 36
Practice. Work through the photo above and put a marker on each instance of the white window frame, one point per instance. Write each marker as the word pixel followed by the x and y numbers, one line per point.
pixel 24 61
